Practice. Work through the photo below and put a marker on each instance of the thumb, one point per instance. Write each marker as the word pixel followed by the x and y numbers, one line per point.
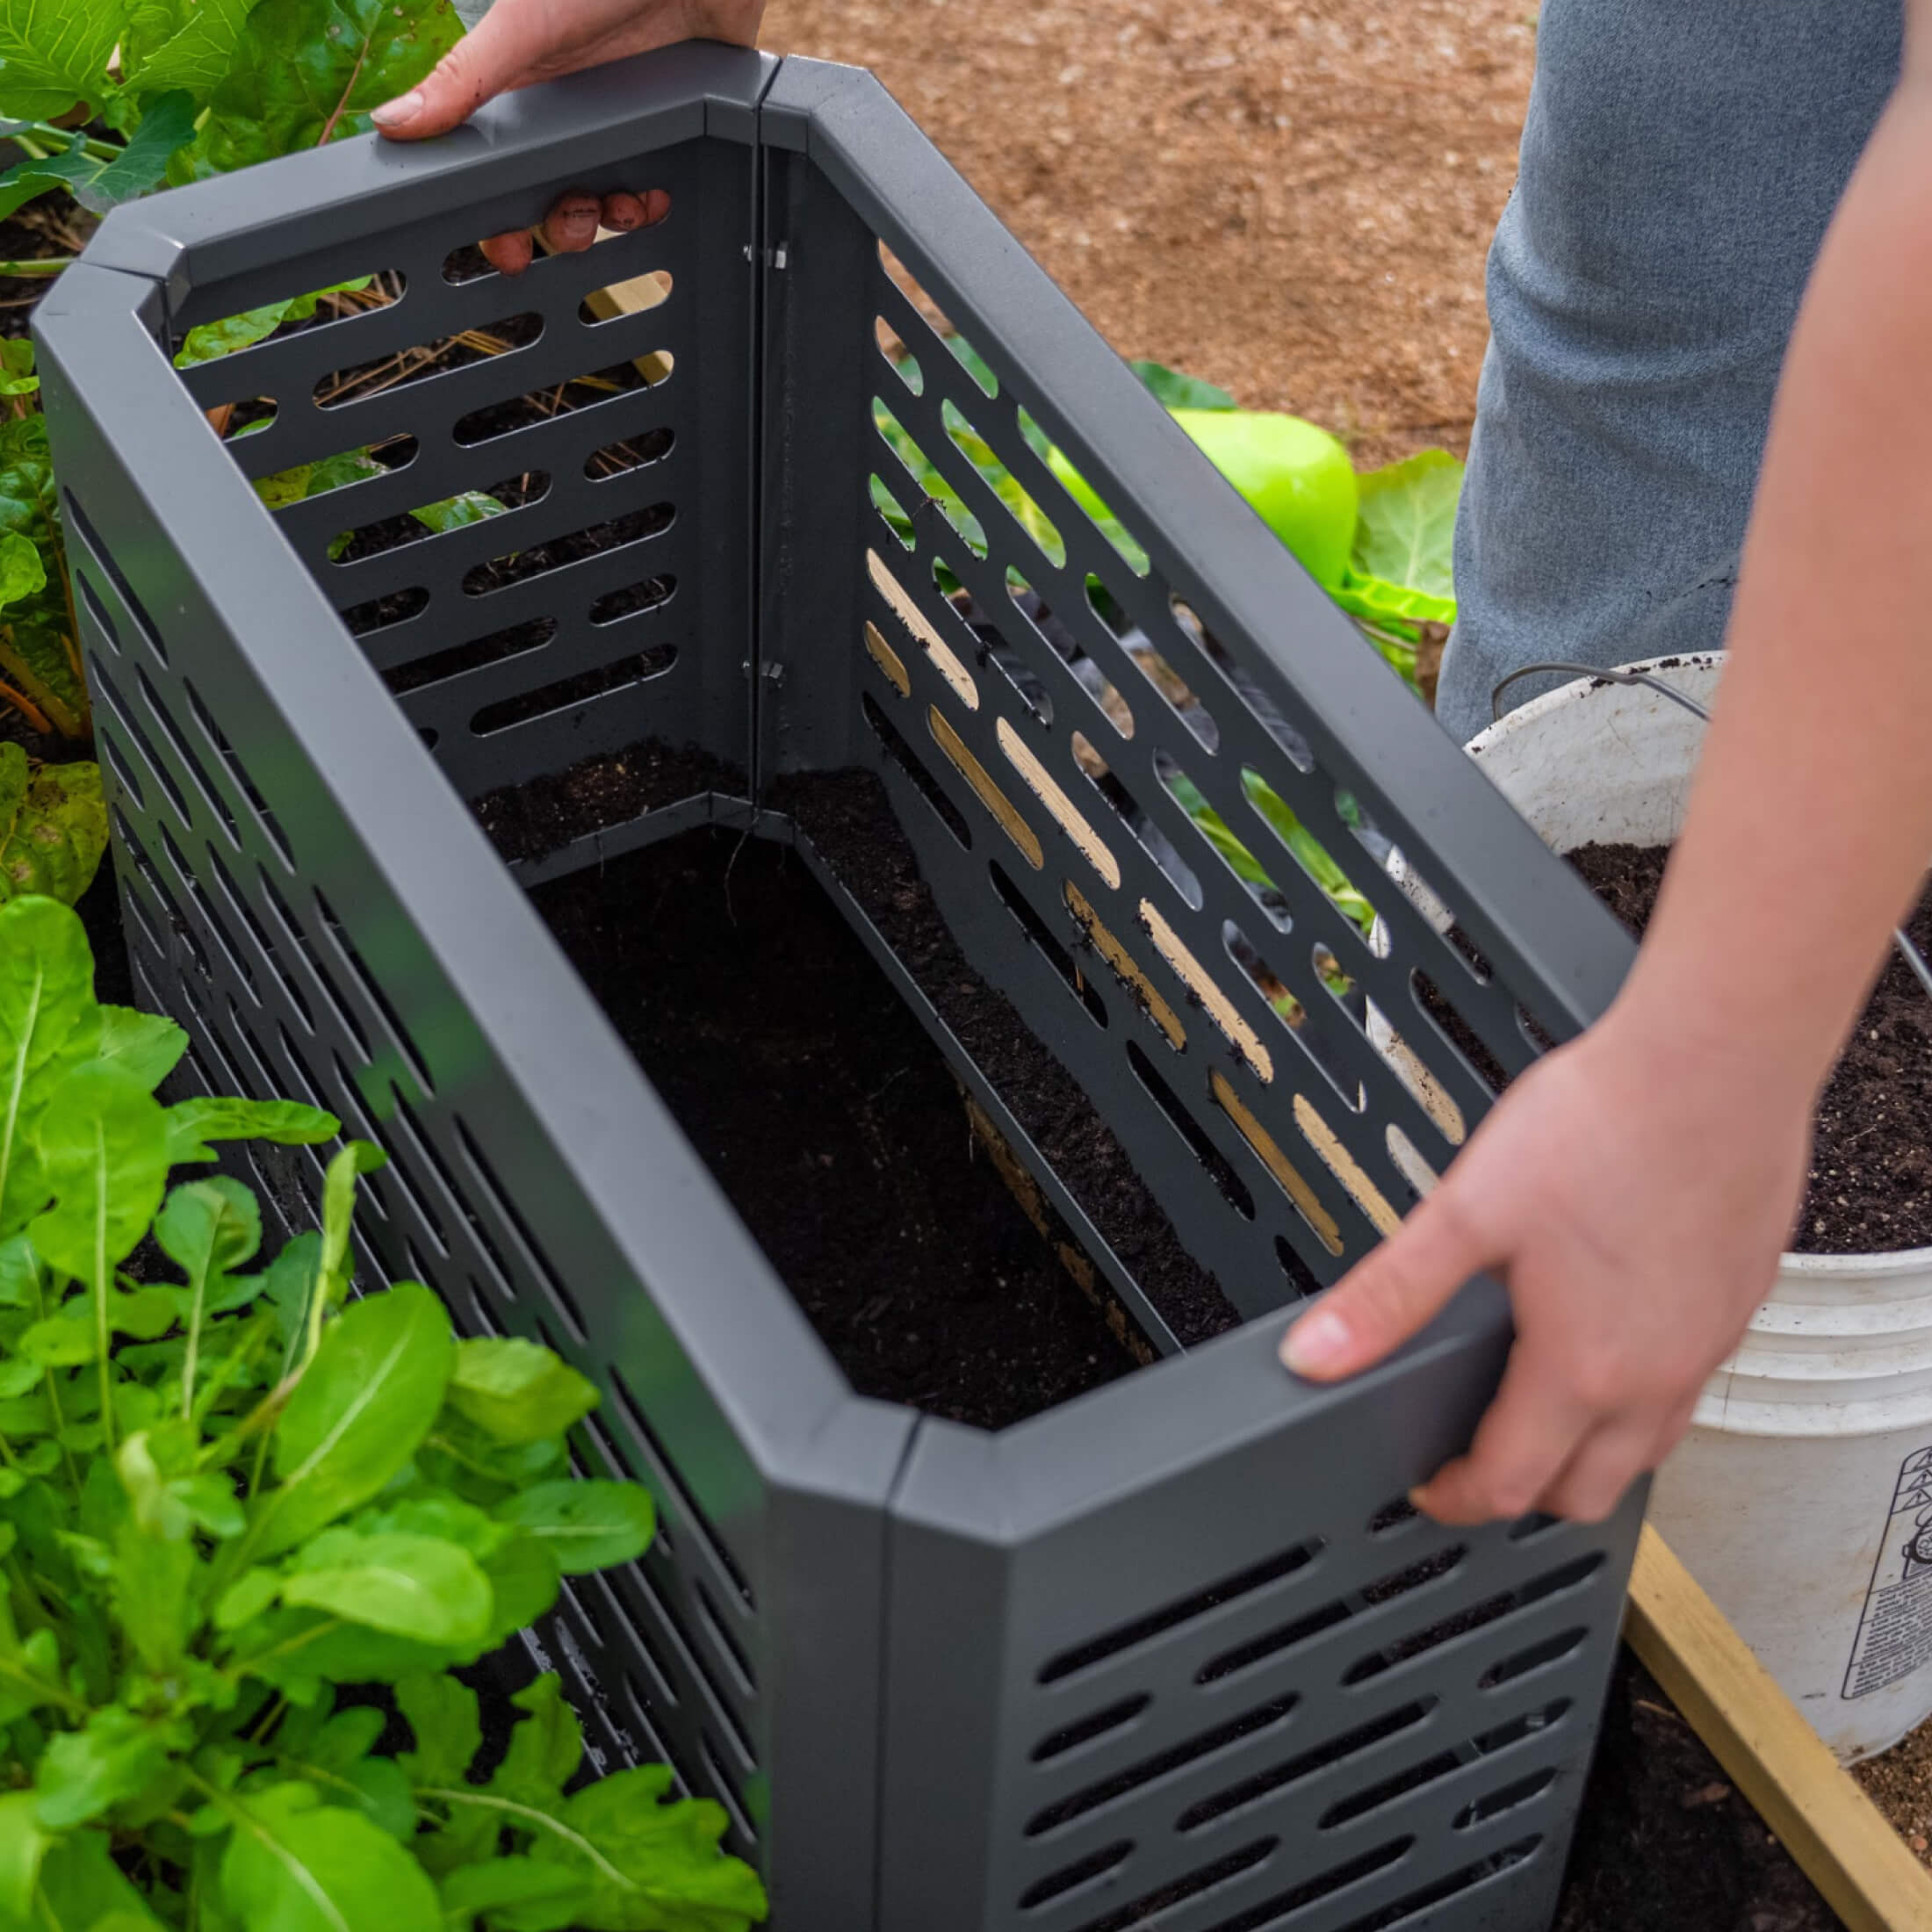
pixel 494 55
pixel 1389 1294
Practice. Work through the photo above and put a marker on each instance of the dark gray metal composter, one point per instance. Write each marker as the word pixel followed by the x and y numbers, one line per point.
pixel 1172 1654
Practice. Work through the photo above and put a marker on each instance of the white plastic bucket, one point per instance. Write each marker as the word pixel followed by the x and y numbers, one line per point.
pixel 1802 1497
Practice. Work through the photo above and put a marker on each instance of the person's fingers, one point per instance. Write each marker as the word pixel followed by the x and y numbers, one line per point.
pixel 496 53
pixel 508 254
pixel 1593 1481
pixel 1525 1438
pixel 571 225
pixel 1389 1294
pixel 623 211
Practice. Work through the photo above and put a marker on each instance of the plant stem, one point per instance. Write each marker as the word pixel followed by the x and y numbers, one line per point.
pixel 51 264
pixel 31 712
pixel 528 1815
pixel 341 105
pixel 98 149
pixel 318 1900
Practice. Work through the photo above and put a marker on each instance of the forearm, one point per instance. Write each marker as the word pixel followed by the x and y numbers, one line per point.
pixel 1811 820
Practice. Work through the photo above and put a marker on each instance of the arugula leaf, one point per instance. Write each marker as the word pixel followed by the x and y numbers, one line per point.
pixel 104 1157
pixel 515 1894
pixel 524 1582
pixel 101 180
pixel 208 1229
pixel 545 1746
pixel 412 1586
pixel 54 55
pixel 193 1123
pixel 306 71
pixel 48 1023
pixel 294 1863
pixel 80 1885
pixel 114 1756
pixel 24 1843
pixel 148 1044
pixel 52 825
pixel 653 1866
pixel 517 1391
pixel 442 1711
pixel 1175 391
pixel 158 1580
pixel 364 1405
pixel 588 1524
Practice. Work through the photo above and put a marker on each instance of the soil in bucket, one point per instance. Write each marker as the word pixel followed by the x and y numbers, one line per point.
pixel 1870 1186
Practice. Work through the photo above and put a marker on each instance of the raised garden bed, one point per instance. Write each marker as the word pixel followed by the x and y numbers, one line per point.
pixel 1170 1651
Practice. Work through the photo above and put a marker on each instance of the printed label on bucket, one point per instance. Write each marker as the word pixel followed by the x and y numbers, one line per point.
pixel 1895 1627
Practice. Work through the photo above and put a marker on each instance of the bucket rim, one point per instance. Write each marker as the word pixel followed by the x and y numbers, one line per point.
pixel 1873 1265
pixel 1578 689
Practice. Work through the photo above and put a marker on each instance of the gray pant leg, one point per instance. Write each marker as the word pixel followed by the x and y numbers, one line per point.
pixel 1680 163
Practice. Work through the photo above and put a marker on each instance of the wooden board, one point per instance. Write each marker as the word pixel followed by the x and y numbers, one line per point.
pixel 632 297
pixel 1842 1840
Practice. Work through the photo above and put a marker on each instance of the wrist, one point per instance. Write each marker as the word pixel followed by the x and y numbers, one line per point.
pixel 1689 1033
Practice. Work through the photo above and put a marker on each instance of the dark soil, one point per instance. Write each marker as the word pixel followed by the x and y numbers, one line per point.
pixel 847 818
pixel 830 1120
pixel 1871 1187
pixel 1665 1843
pixel 47 227
pixel 532 820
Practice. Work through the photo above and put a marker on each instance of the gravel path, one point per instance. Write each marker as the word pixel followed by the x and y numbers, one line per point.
pixel 1291 198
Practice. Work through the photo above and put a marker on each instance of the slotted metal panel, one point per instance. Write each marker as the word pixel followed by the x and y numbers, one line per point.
pixel 1169 1653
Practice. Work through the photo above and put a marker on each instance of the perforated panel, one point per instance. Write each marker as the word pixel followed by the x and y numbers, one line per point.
pixel 1299 1745
pixel 228 935
pixel 1082 764
pixel 571 620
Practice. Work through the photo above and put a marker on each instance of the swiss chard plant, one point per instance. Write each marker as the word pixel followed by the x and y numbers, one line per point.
pixel 105 101
pixel 227 1489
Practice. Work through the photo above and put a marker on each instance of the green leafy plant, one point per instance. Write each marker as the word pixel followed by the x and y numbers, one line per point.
pixel 107 100
pixel 226 1489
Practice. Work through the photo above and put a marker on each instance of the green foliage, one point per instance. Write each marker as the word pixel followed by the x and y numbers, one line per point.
pixel 38 655
pixel 212 340
pixel 228 1490
pixel 1175 391
pixel 101 175
pixel 1308 852
pixel 1401 569
pixel 52 826
pixel 171 91
pixel 308 71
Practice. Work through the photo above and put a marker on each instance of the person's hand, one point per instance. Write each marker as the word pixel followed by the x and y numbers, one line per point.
pixel 519 42
pixel 1633 1195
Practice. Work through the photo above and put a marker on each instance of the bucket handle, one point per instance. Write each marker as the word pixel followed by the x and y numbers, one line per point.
pixel 1908 951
